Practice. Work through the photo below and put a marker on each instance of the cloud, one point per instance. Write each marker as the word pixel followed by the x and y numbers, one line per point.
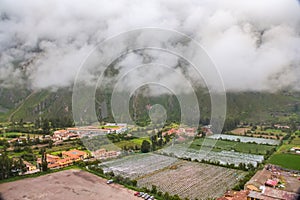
pixel 255 44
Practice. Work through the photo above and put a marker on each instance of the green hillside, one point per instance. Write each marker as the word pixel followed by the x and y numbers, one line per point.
pixel 245 106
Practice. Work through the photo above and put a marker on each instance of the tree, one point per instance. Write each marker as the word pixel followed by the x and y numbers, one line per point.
pixel 167 138
pixel 28 139
pixel 22 166
pixel 154 189
pixel 166 196
pixel 134 183
pixel 160 142
pixel 176 197
pixel 10 166
pixel 50 144
pixel 145 148
pixel 45 126
pixel 44 163
pixel 153 141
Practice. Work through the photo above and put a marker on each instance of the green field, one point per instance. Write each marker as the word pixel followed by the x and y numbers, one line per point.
pixel 272 131
pixel 11 134
pixel 283 157
pixel 236 146
pixel 290 161
pixel 125 143
pixel 17 134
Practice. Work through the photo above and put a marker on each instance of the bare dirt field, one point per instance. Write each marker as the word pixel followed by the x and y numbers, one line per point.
pixel 70 184
pixel 240 131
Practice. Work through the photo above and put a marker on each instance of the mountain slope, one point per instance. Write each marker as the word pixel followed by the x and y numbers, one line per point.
pixel 245 106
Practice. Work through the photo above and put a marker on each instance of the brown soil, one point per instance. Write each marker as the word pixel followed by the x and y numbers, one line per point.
pixel 69 184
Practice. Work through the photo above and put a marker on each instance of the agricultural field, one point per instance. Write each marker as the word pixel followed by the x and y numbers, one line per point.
pixel 240 131
pixel 276 134
pixel 245 139
pixel 137 165
pixel 193 180
pixel 131 144
pixel 284 157
pixel 221 145
pixel 289 161
pixel 223 157
pixel 11 135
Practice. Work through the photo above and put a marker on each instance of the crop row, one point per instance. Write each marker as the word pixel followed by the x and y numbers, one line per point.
pixel 223 157
pixel 245 139
pixel 137 165
pixel 193 180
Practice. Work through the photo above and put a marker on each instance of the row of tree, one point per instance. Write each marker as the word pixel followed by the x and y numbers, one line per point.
pixel 10 167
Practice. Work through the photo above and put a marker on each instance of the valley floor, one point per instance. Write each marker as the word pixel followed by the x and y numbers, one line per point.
pixel 68 184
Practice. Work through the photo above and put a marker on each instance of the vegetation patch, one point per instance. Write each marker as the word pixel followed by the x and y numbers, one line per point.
pixel 220 145
pixel 289 161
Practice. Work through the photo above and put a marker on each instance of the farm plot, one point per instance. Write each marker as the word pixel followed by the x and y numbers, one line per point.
pixel 137 165
pixel 224 157
pixel 245 139
pixel 193 180
pixel 268 133
pixel 227 145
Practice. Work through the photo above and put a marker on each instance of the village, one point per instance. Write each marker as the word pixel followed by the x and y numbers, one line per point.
pixel 272 182
pixel 61 137
pixel 119 146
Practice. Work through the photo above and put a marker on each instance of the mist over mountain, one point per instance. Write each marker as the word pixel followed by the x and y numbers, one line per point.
pixel 254 44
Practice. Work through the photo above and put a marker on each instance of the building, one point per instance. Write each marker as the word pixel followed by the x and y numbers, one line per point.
pixel 235 195
pixel 60 135
pixel 103 154
pixel 75 155
pixel 51 161
pixel 68 158
pixel 207 130
pixel 170 132
pixel 295 149
pixel 269 193
pixel 189 132
pixel 29 166
pixel 258 180
pixel 115 128
pixel 273 183
pixel 281 126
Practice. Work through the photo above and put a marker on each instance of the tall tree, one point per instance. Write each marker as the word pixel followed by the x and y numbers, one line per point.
pixel 145 148
pixel 44 163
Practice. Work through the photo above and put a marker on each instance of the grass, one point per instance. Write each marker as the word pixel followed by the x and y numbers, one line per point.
pixel 128 143
pixel 109 126
pixel 55 153
pixel 290 161
pixel 237 146
pixel 284 158
pixel 14 134
pixel 288 145
pixel 272 131
pixel 25 109
pixel 9 134
pixel 296 141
